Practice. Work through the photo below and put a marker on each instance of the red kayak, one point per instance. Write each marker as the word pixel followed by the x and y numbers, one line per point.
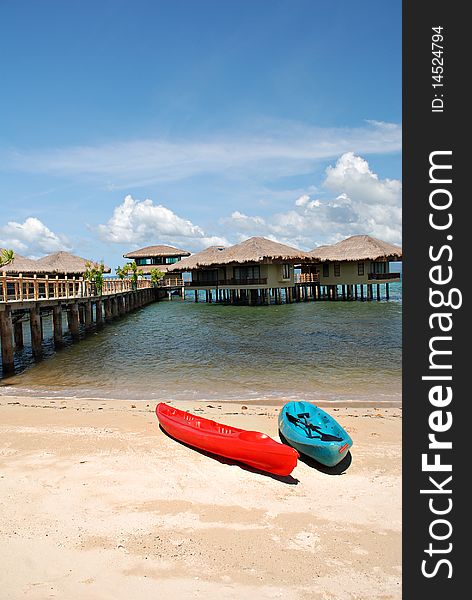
pixel 253 448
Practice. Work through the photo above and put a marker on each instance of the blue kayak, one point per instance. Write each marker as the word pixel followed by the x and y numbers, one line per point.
pixel 314 433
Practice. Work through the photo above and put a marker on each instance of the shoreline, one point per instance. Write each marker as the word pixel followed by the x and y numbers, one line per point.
pixel 96 501
pixel 277 401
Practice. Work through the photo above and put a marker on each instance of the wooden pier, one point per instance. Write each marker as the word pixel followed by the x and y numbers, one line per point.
pixel 303 290
pixel 29 299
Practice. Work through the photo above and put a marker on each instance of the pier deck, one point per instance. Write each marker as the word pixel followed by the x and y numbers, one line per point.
pixel 29 299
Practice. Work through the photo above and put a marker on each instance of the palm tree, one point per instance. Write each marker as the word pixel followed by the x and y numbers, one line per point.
pixel 6 257
pixel 94 275
pixel 133 269
pixel 156 276
pixel 122 272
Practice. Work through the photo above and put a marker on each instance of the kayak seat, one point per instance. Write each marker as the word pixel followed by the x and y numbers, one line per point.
pixel 310 429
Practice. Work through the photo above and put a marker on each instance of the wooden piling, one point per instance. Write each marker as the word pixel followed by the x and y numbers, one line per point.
pixel 114 307
pixel 6 337
pixel 35 329
pixel 387 292
pixel 18 334
pixel 57 325
pixel 98 312
pixel 68 319
pixel 121 305
pixel 74 321
pixel 88 315
pixel 107 304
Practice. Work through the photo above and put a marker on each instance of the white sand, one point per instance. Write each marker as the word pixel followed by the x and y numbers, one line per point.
pixel 96 502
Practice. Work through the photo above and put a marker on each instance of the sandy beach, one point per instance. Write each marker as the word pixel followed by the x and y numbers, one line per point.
pixel 98 503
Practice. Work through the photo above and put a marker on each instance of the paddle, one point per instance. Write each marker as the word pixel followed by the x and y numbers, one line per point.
pixel 303 420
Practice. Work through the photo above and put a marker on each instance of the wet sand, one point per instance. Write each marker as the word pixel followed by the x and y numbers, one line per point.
pixel 96 502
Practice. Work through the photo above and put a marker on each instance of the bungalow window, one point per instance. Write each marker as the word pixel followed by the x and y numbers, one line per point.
pixel 337 269
pixel 285 271
pixel 325 269
pixel 206 275
pixel 245 273
pixel 360 268
pixel 379 267
pixel 170 260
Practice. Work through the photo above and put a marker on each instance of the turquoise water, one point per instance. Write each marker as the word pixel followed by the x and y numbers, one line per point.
pixel 333 351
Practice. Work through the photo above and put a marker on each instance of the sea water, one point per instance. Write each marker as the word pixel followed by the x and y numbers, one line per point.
pixel 333 351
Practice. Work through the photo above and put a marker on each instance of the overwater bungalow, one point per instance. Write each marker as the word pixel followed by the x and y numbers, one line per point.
pixel 60 264
pixel 196 263
pixel 254 271
pixel 159 257
pixel 356 261
pixel 20 264
pixel 64 264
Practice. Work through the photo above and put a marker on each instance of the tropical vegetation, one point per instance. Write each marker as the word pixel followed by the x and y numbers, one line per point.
pixel 94 275
pixel 6 257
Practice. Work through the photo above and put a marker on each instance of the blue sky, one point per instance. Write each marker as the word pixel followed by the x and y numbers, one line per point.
pixel 198 122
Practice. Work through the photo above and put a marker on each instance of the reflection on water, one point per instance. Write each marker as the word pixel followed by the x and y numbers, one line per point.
pixel 178 350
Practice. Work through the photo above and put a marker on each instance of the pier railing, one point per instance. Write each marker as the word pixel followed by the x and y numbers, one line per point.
pixel 19 288
pixel 172 282
pixel 117 286
pixel 307 278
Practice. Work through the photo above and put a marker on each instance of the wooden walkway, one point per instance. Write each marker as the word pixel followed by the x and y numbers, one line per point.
pixel 303 291
pixel 28 299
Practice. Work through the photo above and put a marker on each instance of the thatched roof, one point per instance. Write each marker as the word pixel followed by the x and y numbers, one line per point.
pixel 202 258
pixel 150 251
pixel 64 262
pixel 358 247
pixel 259 249
pixel 20 264
pixel 253 250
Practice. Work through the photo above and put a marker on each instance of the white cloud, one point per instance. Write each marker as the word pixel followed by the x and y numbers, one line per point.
pixel 282 148
pixel 208 240
pixel 32 238
pixel 138 222
pixel 362 204
pixel 352 176
pixel 306 201
pixel 303 200
pixel 244 222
